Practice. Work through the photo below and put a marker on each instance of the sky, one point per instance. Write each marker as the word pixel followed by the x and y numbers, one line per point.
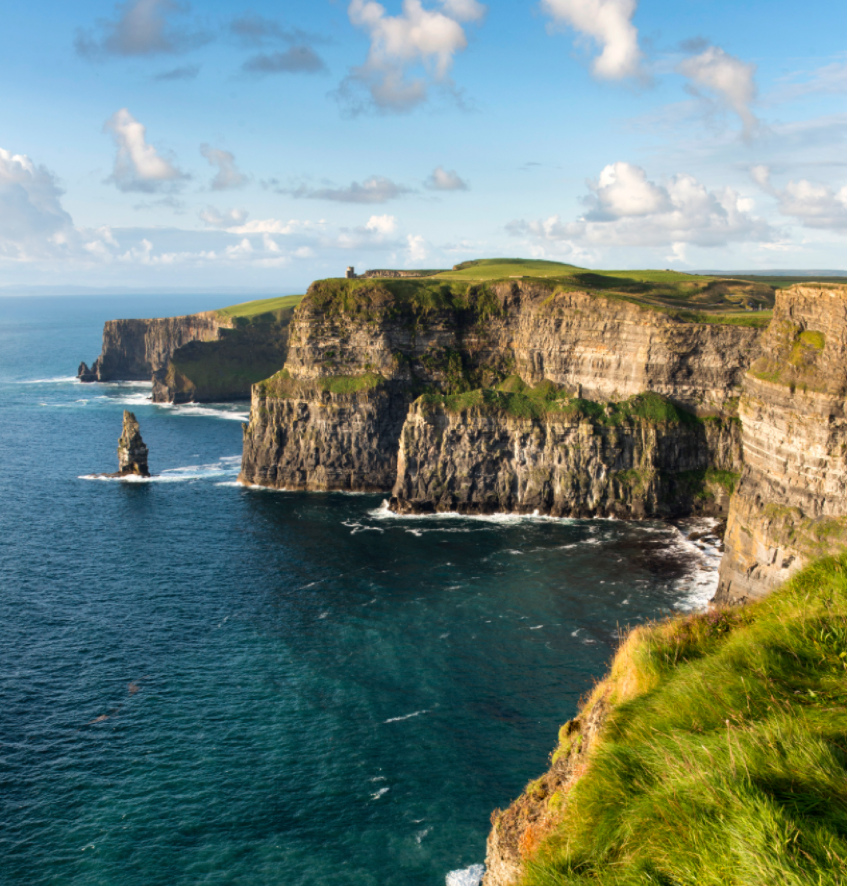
pixel 255 146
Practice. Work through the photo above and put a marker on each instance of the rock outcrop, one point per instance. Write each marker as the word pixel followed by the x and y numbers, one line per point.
pixel 134 349
pixel 791 503
pixel 362 351
pixel 132 453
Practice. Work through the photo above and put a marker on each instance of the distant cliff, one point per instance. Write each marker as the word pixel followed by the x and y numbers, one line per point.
pixel 134 349
pixel 360 404
pixel 207 357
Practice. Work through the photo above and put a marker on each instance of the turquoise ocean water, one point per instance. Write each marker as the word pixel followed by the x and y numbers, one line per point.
pixel 205 684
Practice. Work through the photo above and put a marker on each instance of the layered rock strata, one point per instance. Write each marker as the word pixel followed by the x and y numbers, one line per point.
pixel 480 460
pixel 134 349
pixel 791 503
pixel 132 453
pixel 415 336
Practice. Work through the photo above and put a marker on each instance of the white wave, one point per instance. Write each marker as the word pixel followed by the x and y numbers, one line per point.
pixel 226 466
pixel 705 555
pixel 419 836
pixel 59 380
pixel 197 411
pixel 537 628
pixel 380 793
pixel 471 876
pixel 126 399
pixel 405 717
pixel 383 513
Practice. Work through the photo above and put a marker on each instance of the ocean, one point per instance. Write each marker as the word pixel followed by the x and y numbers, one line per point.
pixel 207 684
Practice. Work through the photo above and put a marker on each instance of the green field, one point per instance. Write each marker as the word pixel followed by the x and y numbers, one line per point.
pixel 723 758
pixel 261 306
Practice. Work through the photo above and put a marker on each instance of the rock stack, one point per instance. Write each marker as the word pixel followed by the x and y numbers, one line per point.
pixel 132 453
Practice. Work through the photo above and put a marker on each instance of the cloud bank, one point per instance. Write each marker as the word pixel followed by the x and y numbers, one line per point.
pixel 138 165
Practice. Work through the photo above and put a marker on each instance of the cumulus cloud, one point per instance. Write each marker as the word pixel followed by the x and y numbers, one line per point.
pixel 227 176
pixel 138 165
pixel 295 60
pixel 382 224
pixel 445 180
pixel 376 189
pixel 227 219
pixel 427 38
pixel 609 24
pixel 140 27
pixel 32 220
pixel 813 205
pixel 626 209
pixel 417 248
pixel 728 80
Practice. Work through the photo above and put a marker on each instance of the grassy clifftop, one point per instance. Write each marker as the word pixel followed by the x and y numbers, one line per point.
pixel 718 754
pixel 688 298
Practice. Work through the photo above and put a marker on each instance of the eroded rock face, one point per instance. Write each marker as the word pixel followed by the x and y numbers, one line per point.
pixel 132 453
pixel 134 349
pixel 597 347
pixel 474 462
pixel 791 503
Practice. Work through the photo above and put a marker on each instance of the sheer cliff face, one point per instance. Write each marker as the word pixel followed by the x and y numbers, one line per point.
pixel 476 461
pixel 134 349
pixel 791 504
pixel 332 437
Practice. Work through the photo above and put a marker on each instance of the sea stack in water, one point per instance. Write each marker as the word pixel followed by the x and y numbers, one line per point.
pixel 132 453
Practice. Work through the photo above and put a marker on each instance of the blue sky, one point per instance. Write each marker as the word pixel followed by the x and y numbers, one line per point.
pixel 162 145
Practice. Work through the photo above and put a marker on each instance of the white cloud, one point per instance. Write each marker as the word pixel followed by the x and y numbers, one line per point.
pixel 417 249
pixel 274 226
pixel 227 176
pixel 32 220
pixel 376 189
pixel 429 38
pixel 442 179
pixel 624 191
pixel 142 27
pixel 609 23
pixel 138 166
pixel 382 224
pixel 227 219
pixel 728 79
pixel 626 209
pixel 813 205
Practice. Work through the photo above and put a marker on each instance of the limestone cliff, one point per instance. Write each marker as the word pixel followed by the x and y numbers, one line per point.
pixel 791 503
pixel 632 459
pixel 134 349
pixel 206 357
pixel 371 347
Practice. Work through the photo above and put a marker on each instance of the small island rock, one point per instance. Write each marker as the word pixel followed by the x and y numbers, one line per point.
pixel 132 453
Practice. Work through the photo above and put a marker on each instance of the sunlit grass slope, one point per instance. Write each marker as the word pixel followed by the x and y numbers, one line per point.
pixel 723 758
pixel 498 268
pixel 262 306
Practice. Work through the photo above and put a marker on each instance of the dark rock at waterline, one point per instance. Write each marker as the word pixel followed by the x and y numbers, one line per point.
pixel 86 374
pixel 132 453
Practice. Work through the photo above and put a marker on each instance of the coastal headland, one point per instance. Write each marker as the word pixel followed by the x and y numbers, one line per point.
pixel 514 386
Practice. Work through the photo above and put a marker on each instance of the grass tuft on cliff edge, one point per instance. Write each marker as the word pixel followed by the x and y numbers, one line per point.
pixel 722 760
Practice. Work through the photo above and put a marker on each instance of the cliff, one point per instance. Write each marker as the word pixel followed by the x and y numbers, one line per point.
pixel 507 452
pixel 362 351
pixel 208 357
pixel 134 349
pixel 791 503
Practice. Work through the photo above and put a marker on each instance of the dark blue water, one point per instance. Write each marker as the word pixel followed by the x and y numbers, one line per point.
pixel 202 683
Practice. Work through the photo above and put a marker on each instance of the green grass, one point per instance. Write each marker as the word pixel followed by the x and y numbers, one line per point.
pixel 723 759
pixel 261 306
pixel 283 386
pixel 515 398
pixel 686 297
